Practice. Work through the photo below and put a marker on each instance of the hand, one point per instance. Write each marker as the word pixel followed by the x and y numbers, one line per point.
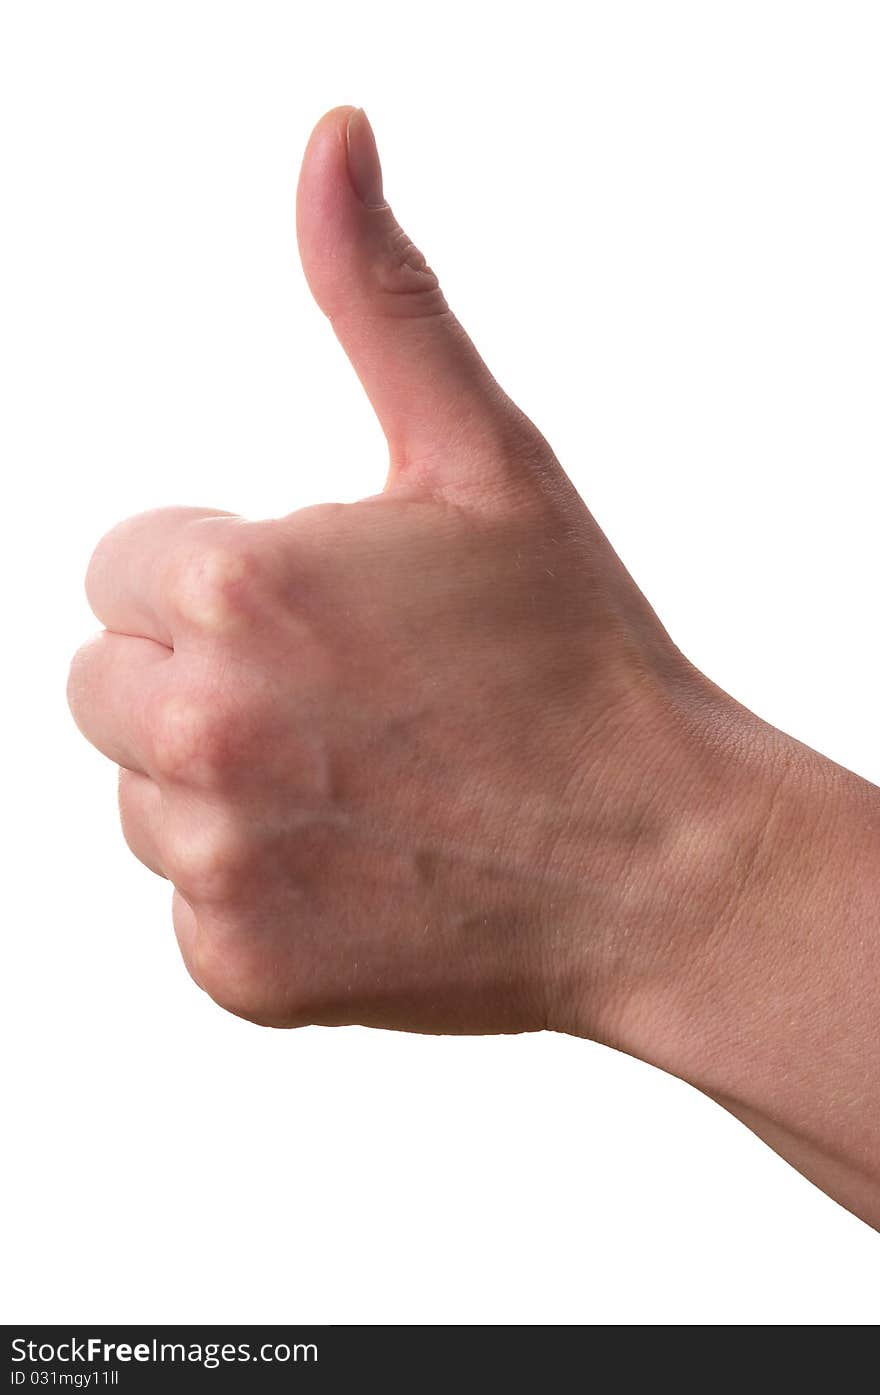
pixel 430 760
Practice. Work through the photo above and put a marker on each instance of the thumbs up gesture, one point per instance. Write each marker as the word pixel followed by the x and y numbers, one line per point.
pixel 427 761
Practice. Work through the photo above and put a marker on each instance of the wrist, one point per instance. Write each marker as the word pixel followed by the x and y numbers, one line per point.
pixel 755 976
pixel 718 881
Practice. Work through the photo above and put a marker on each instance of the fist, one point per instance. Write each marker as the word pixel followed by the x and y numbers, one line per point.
pixel 418 761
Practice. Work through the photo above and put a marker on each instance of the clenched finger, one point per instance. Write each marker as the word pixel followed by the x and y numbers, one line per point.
pixel 113 684
pixel 141 815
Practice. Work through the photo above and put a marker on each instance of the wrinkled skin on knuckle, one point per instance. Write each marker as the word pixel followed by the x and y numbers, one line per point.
pixel 207 588
pixel 407 286
pixel 217 576
pixel 210 865
pixel 197 739
pixel 240 972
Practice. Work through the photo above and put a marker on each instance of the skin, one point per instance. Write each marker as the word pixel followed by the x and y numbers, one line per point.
pixel 431 762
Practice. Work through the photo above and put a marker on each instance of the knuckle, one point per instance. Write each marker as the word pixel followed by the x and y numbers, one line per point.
pixel 209 865
pixel 193 739
pixel 210 583
pixel 228 977
pixel 404 277
pixel 240 972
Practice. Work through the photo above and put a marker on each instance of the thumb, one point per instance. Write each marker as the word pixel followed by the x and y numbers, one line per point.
pixel 444 416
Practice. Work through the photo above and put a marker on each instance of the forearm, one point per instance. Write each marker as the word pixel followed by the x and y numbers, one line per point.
pixel 774 1013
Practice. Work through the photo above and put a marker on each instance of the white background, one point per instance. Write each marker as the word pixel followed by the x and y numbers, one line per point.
pixel 660 222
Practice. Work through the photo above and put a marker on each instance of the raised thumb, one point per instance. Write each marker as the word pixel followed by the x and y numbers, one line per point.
pixel 442 412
